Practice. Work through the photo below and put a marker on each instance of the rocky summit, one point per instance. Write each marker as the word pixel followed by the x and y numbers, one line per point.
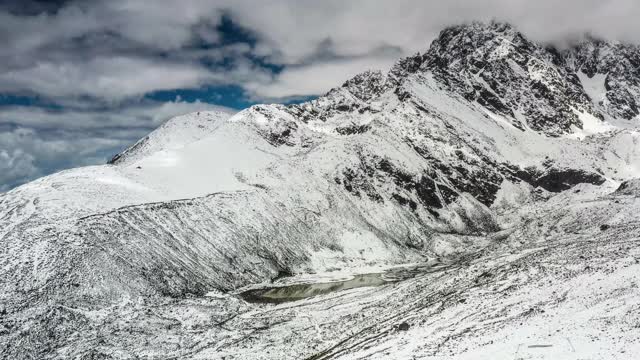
pixel 478 201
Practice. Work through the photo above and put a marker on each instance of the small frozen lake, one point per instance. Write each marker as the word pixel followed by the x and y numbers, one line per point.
pixel 300 291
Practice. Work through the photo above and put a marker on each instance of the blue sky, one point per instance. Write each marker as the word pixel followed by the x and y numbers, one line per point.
pixel 80 80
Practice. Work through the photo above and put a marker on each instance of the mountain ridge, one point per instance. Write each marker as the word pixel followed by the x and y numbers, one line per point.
pixel 457 153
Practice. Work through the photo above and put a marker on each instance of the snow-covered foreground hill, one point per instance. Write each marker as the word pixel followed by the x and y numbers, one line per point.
pixel 513 166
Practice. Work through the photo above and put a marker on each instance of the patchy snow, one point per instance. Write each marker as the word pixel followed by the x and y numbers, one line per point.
pixel 590 125
pixel 594 86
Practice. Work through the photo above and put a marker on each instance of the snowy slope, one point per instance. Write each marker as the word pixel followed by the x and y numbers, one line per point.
pixel 173 134
pixel 482 151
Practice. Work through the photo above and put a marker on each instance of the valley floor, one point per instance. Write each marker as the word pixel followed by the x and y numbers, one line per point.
pixel 561 286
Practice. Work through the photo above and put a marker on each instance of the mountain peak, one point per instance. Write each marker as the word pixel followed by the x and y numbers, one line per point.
pixel 493 27
pixel 491 64
pixel 494 65
pixel 468 42
pixel 461 45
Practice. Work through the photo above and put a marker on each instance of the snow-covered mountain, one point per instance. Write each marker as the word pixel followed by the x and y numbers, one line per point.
pixel 514 164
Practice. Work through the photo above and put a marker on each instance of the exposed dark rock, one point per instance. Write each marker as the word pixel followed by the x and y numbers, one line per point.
pixel 357 183
pixel 283 137
pixel 353 129
pixel 556 180
pixel 404 201
pixel 620 63
pixel 478 62
pixel 284 273
pixel 629 187
pixel 367 85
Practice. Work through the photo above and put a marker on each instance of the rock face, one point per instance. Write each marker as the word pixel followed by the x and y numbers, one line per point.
pixel 614 67
pixel 450 152
pixel 498 68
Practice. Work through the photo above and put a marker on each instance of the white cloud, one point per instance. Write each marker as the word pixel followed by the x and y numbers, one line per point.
pixel 108 78
pixel 15 166
pixel 162 24
pixel 26 154
pixel 148 115
pixel 316 78
pixel 302 34
pixel 294 31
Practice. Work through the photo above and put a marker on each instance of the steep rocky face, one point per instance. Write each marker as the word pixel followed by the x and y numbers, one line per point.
pixel 491 66
pixel 494 66
pixel 356 95
pixel 497 67
pixel 613 69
